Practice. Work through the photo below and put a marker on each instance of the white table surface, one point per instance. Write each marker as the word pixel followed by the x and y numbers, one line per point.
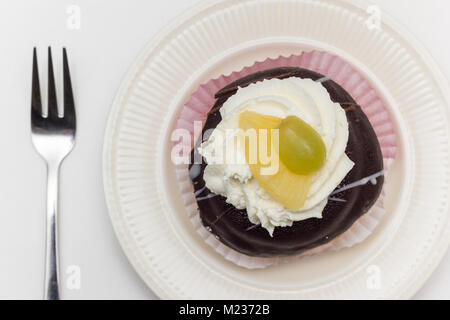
pixel 110 36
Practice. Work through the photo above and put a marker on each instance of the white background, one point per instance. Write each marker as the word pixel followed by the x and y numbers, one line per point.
pixel 111 34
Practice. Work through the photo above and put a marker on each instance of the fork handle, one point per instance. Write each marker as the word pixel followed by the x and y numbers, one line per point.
pixel 51 256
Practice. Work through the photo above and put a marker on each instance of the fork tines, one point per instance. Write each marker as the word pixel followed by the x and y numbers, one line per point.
pixel 52 110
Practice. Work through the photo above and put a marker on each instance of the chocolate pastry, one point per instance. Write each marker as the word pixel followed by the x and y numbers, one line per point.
pixel 232 227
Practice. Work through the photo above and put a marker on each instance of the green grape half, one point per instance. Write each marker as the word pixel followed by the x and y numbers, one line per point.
pixel 302 149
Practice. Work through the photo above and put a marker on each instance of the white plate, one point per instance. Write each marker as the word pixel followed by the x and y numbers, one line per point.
pixel 219 37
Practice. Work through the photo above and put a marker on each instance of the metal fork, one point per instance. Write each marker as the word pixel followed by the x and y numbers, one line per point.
pixel 53 136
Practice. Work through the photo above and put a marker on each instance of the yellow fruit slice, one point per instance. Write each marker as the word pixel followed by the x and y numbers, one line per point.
pixel 288 188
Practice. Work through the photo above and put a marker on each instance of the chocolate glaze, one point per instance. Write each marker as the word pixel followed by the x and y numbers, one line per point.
pixel 232 227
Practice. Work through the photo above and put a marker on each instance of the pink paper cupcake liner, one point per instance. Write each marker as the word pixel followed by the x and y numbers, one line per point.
pixel 201 101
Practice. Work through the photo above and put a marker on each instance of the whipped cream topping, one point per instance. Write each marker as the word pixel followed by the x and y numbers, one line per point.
pixel 303 98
